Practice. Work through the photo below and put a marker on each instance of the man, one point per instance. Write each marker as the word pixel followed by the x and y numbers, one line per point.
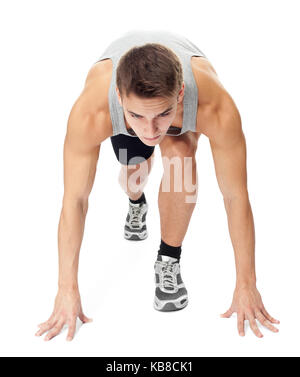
pixel 156 88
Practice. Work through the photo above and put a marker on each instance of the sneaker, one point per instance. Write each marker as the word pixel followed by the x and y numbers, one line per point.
pixel 170 292
pixel 135 226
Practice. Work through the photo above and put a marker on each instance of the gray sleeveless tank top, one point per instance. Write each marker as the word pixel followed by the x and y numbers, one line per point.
pixel 182 47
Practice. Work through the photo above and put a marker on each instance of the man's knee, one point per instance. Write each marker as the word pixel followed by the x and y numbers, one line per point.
pixel 138 173
pixel 180 148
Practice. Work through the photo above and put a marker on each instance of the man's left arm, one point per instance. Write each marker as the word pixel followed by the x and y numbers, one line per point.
pixel 228 147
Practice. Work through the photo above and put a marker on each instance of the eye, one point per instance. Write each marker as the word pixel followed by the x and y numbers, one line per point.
pixel 138 116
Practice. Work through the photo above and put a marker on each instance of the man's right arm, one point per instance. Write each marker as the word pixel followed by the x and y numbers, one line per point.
pixel 81 152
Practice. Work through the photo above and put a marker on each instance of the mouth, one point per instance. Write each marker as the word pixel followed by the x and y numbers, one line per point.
pixel 150 139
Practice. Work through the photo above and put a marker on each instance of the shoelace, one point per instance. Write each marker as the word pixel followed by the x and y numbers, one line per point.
pixel 135 215
pixel 168 274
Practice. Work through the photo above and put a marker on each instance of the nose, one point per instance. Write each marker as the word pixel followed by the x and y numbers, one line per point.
pixel 151 131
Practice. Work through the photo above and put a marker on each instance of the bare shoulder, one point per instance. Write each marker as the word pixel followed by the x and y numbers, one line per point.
pixel 97 85
pixel 215 104
pixel 210 88
pixel 89 118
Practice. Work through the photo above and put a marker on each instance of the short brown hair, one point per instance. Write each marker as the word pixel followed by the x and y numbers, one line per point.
pixel 149 71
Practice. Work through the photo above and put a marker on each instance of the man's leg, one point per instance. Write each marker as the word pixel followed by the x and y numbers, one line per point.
pixel 136 159
pixel 176 200
pixel 133 178
pixel 174 207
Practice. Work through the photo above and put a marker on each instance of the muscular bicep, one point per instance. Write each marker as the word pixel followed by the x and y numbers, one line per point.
pixel 81 153
pixel 88 126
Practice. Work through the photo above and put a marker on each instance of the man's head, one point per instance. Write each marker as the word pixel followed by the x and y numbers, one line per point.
pixel 149 88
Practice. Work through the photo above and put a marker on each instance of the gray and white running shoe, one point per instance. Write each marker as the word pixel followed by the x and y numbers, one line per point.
pixel 135 226
pixel 170 292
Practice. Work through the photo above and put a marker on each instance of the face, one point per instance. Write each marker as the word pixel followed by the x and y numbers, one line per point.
pixel 150 118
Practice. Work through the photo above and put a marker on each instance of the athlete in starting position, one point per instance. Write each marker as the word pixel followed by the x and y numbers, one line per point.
pixel 156 88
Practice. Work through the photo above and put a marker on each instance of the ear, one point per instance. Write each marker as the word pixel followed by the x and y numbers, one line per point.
pixel 119 96
pixel 181 93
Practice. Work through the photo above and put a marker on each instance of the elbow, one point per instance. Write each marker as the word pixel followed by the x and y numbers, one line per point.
pixel 85 206
pixel 236 196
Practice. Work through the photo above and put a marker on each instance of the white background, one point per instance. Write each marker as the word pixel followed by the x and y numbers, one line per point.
pixel 47 48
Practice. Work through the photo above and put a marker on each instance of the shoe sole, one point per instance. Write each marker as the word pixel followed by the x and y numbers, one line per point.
pixel 164 306
pixel 134 236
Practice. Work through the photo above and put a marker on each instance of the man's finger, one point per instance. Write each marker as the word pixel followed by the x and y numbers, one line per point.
pixel 270 318
pixel 240 323
pixel 54 331
pixel 264 321
pixel 72 328
pixel 50 319
pixel 254 327
pixel 45 323
pixel 227 314
pixel 84 318
pixel 44 327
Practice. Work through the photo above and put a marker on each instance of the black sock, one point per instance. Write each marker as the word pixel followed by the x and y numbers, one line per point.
pixel 170 251
pixel 141 199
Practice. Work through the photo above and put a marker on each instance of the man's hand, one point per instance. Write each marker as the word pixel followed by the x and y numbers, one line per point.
pixel 247 303
pixel 66 310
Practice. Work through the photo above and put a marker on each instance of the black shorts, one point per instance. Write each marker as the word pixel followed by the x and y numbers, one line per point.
pixel 130 150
